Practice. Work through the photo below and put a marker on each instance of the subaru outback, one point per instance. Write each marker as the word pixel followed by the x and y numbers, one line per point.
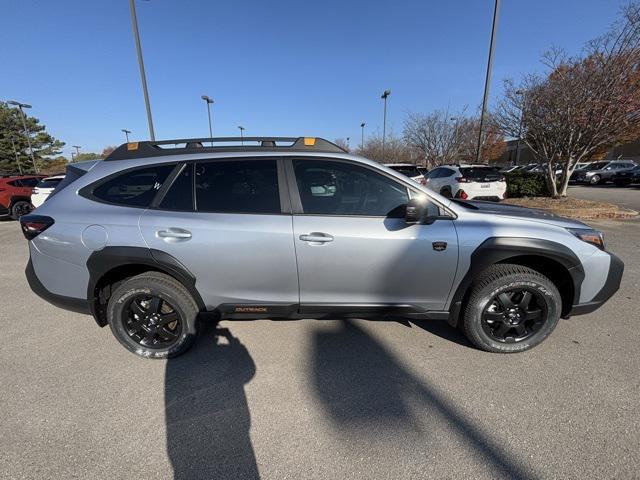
pixel 160 234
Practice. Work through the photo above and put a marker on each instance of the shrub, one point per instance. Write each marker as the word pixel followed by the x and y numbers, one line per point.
pixel 526 184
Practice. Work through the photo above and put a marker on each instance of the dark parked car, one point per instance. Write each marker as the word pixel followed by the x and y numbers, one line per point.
pixel 627 177
pixel 601 172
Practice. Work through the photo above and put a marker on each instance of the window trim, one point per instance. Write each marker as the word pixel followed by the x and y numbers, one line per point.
pixel 87 190
pixel 283 192
pixel 296 201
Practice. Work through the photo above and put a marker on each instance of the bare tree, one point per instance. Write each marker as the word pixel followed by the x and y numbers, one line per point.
pixel 441 138
pixel 584 106
pixel 395 149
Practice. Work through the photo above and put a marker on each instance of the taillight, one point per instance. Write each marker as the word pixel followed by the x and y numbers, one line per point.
pixel 35 190
pixel 424 181
pixel 462 180
pixel 34 225
pixel 462 194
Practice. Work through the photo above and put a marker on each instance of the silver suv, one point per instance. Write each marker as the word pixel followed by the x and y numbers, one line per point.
pixel 160 233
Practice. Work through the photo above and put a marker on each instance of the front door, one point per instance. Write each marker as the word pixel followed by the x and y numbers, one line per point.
pixel 354 247
pixel 223 220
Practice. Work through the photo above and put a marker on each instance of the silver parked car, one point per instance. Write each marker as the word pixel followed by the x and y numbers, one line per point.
pixel 601 172
pixel 160 232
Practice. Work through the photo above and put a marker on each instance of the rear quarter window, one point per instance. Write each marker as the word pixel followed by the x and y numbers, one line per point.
pixel 133 188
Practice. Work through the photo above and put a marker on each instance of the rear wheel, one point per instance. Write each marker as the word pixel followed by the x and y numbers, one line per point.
pixel 20 208
pixel 511 308
pixel 595 180
pixel 153 315
pixel 446 192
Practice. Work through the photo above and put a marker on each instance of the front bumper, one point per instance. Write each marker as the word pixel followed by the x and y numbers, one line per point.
pixel 77 305
pixel 611 286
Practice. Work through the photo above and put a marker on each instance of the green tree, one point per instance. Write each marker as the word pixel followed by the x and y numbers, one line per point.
pixel 14 148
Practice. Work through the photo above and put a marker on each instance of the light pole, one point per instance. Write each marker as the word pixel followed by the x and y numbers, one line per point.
pixel 524 99
pixel 72 157
pixel 143 76
pixel 126 133
pixel 362 140
pixel 384 96
pixel 26 132
pixel 348 138
pixel 209 101
pixel 487 80
pixel 241 128
pixel 13 145
pixel 77 147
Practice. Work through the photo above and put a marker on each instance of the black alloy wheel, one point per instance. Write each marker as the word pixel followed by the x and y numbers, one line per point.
pixel 152 321
pixel 514 315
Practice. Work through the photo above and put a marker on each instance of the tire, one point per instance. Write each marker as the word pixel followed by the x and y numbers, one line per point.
pixel 153 315
pixel 19 208
pixel 595 180
pixel 446 192
pixel 486 304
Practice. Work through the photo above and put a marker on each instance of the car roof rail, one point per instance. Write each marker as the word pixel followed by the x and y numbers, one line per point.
pixel 145 149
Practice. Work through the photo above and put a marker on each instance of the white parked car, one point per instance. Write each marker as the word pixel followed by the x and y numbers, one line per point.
pixel 410 170
pixel 44 188
pixel 472 182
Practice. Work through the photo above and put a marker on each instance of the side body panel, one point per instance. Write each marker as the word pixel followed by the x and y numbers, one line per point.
pixel 375 261
pixel 235 258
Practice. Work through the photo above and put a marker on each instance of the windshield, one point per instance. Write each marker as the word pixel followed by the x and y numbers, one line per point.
pixel 408 170
pixel 50 183
pixel 596 166
pixel 485 174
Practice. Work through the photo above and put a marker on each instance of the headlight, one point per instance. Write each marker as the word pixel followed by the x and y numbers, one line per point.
pixel 594 237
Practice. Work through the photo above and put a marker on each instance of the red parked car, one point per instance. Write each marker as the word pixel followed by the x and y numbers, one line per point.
pixel 15 194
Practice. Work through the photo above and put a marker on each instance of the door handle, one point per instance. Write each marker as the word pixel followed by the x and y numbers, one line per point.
pixel 174 234
pixel 317 237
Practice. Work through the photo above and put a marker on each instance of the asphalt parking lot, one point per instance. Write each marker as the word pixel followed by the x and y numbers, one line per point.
pixel 626 197
pixel 318 399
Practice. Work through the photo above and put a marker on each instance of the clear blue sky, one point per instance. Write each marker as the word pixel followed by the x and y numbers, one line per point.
pixel 275 67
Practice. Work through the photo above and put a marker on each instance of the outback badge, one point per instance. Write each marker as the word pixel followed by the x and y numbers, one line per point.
pixel 439 246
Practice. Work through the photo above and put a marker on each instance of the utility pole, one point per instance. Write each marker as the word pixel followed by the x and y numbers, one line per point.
pixel 487 81
pixel 520 127
pixel 77 147
pixel 241 128
pixel 126 133
pixel 384 97
pixel 143 76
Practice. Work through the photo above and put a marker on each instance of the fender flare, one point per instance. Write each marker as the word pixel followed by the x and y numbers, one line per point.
pixel 498 249
pixel 103 261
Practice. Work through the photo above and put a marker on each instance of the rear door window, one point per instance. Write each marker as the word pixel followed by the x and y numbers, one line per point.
pixel 134 188
pixel 237 186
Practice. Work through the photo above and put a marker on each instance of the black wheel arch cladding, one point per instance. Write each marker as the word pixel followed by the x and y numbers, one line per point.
pixel 500 249
pixel 111 259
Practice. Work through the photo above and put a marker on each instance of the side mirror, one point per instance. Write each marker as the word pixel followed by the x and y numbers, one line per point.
pixel 415 209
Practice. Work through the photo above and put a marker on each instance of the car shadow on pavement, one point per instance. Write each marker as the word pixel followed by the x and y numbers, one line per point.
pixel 206 410
pixel 443 330
pixel 365 390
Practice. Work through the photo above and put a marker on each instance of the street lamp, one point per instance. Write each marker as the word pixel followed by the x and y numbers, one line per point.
pixel 241 128
pixel 26 132
pixel 77 147
pixel 384 96
pixel 487 81
pixel 362 141
pixel 13 145
pixel 126 133
pixel 209 101
pixel 72 157
pixel 143 76
pixel 523 93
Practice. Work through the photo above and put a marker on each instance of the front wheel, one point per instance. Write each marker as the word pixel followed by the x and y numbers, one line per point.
pixel 595 180
pixel 511 309
pixel 153 315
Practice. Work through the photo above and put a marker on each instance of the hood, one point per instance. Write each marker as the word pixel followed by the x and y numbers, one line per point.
pixel 534 214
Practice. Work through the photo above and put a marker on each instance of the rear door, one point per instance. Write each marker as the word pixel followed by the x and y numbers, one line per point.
pixel 227 221
pixel 353 246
